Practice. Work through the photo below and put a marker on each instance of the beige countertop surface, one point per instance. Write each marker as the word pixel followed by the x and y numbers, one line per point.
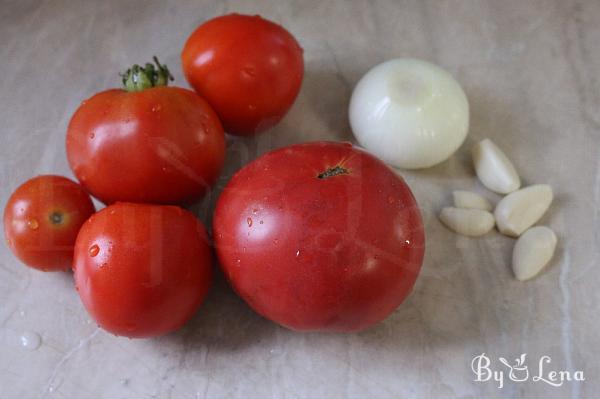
pixel 531 72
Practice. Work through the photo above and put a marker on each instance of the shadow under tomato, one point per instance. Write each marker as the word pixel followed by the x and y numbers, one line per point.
pixel 223 322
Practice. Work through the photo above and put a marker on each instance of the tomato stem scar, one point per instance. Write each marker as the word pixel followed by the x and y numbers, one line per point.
pixel 56 217
pixel 337 170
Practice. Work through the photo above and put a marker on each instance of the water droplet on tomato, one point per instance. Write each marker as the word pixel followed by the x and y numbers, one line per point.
pixel 33 224
pixel 249 71
pixel 391 199
pixel 275 241
pixel 255 211
pixel 251 107
pixel 261 222
pixel 297 253
pixel 92 135
pixel 156 108
pixel 94 249
pixel 249 221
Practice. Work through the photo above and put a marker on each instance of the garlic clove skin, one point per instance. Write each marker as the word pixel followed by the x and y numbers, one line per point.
pixel 519 210
pixel 533 251
pixel 494 169
pixel 468 222
pixel 470 200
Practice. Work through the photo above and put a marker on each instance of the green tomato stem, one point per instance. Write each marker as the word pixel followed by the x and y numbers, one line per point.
pixel 139 78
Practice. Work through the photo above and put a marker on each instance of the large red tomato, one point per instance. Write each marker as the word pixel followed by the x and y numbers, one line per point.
pixel 142 270
pixel 319 236
pixel 248 68
pixel 42 219
pixel 151 144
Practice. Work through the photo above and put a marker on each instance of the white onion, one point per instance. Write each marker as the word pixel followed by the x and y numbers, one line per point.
pixel 410 113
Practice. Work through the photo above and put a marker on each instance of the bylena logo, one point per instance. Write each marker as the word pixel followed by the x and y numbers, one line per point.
pixel 519 371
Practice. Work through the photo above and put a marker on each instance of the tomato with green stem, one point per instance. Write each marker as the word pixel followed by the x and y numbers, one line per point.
pixel 147 142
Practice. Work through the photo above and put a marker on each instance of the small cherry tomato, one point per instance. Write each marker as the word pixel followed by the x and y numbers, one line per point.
pixel 42 219
pixel 248 68
pixel 319 236
pixel 148 143
pixel 142 270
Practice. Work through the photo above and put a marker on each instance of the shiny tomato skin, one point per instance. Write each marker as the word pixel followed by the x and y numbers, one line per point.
pixel 42 218
pixel 162 145
pixel 329 253
pixel 142 270
pixel 248 68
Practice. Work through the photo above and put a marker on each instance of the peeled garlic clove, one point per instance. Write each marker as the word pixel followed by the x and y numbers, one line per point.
pixel 533 251
pixel 494 169
pixel 470 200
pixel 468 222
pixel 519 210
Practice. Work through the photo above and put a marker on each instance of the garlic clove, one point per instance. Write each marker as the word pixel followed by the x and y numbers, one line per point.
pixel 470 200
pixel 533 251
pixel 468 222
pixel 494 169
pixel 519 210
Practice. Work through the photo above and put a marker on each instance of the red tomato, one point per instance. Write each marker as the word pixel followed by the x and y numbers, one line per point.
pixel 319 236
pixel 142 270
pixel 42 219
pixel 159 145
pixel 248 68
